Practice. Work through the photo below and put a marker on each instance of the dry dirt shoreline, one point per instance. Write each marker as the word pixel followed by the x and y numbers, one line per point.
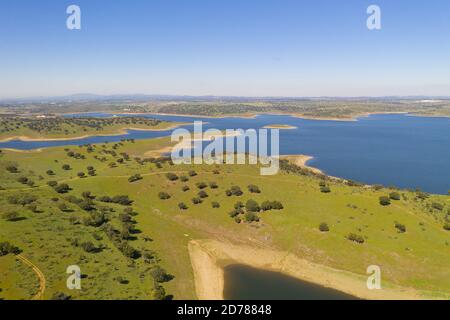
pixel 208 257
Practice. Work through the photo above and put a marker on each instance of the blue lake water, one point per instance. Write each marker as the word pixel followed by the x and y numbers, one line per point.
pixel 398 150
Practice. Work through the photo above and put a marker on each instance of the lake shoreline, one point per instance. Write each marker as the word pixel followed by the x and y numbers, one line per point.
pixel 121 132
pixel 209 257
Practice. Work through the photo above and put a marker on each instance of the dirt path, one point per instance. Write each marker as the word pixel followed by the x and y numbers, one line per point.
pixel 40 294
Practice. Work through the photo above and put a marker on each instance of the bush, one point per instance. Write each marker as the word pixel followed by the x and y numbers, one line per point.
pixel 182 206
pixel 52 184
pixel 385 201
pixel 323 227
pixel 355 238
pixel 234 213
pixel 160 275
pixel 164 196
pixel 400 227
pixel 81 174
pixel 215 205
pixel 213 185
pixel 11 216
pixel 325 189
pixel 184 179
pixel 201 185
pixel 22 180
pixel 252 206
pixel 447 226
pixel 185 188
pixel 197 200
pixel 202 194
pixel 88 247
pixel 63 207
pixel 251 217
pixel 277 205
pixel 62 188
pixel 394 196
pixel 60 296
pixel 12 169
pixel 437 206
pixel 192 173
pixel 266 206
pixel 236 191
pixel 253 189
pixel 239 205
pixel 8 248
pixel 66 167
pixel 135 178
pixel 171 176
pixel 228 193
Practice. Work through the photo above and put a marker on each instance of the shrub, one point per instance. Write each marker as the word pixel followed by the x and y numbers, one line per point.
pixel 355 238
pixel 252 206
pixel 171 176
pixel 437 206
pixel 213 185
pixel 234 213
pixel 185 188
pixel 81 174
pixel 400 227
pixel 60 296
pixel 277 205
pixel 253 189
pixel 239 205
pixel 182 206
pixel 164 196
pixel 266 206
pixel 160 275
pixel 192 173
pixel 325 189
pixel 184 179
pixel 62 188
pixel 447 226
pixel 236 191
pixel 12 169
pixel 8 248
pixel 323 227
pixel 197 200
pixel 201 185
pixel 88 247
pixel 66 167
pixel 384 201
pixel 135 178
pixel 394 196
pixel 215 205
pixel 251 217
pixel 202 194
pixel 22 180
pixel 50 173
pixel 11 216
pixel 228 193
pixel 63 207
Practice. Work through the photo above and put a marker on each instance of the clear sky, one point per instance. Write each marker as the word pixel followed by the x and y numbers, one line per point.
pixel 225 47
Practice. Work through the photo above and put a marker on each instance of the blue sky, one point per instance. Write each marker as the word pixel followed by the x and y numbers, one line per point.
pixel 225 47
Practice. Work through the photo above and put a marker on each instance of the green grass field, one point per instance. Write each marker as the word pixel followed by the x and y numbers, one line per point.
pixel 418 258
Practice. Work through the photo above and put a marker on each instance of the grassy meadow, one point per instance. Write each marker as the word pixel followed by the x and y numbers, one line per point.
pixel 58 227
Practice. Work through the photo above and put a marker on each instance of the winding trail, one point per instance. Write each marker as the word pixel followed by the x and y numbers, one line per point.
pixel 42 282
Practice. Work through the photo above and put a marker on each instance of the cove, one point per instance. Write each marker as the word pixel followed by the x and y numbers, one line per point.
pixel 247 283
pixel 391 150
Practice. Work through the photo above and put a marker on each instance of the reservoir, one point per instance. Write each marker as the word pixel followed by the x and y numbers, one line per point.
pixel 246 283
pixel 392 150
